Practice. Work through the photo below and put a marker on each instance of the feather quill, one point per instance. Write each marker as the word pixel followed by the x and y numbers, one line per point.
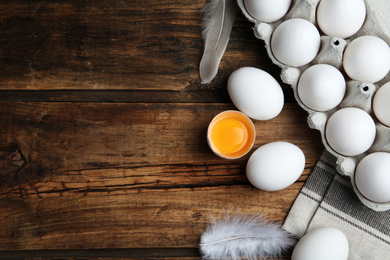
pixel 217 24
pixel 243 236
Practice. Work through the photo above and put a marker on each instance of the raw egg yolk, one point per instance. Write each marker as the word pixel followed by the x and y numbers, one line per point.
pixel 229 135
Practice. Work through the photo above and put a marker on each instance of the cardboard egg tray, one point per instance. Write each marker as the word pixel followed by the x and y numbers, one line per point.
pixel 358 94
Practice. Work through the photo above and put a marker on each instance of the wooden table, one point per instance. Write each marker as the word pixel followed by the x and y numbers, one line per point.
pixel 103 124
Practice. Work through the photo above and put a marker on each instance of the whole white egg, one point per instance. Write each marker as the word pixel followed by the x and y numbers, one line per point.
pixel 341 18
pixel 255 93
pixel 321 87
pixel 372 177
pixel 267 11
pixel 350 131
pixel 367 59
pixel 275 166
pixel 322 244
pixel 381 104
pixel 295 42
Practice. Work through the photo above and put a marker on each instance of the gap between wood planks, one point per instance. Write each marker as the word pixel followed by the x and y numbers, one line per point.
pixel 139 253
pixel 104 253
pixel 209 95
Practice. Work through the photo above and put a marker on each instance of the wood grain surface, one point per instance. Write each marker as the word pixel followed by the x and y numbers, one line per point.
pixel 103 121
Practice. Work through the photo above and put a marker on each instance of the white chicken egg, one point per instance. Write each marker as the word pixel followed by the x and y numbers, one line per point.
pixel 267 11
pixel 341 18
pixel 367 59
pixel 350 131
pixel 321 87
pixel 324 243
pixel 275 166
pixel 295 42
pixel 381 104
pixel 372 177
pixel 255 93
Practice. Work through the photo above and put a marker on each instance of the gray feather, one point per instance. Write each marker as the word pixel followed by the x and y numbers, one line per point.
pixel 217 24
pixel 244 237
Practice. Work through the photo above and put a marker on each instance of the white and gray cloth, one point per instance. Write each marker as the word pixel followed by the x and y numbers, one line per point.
pixel 328 200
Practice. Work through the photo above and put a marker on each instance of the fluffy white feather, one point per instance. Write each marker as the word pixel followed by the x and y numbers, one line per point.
pixel 243 236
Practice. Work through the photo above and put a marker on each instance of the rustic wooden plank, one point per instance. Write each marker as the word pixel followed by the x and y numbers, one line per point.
pixel 131 253
pixel 104 176
pixel 139 45
pixel 147 219
pixel 59 137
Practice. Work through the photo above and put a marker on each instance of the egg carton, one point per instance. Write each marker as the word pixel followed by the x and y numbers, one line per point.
pixel 358 94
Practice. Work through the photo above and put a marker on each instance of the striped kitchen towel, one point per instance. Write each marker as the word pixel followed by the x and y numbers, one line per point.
pixel 327 200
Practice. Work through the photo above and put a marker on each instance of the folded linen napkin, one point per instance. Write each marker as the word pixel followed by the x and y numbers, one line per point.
pixel 328 200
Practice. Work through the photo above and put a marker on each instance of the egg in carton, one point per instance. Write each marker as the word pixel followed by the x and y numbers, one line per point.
pixel 358 94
